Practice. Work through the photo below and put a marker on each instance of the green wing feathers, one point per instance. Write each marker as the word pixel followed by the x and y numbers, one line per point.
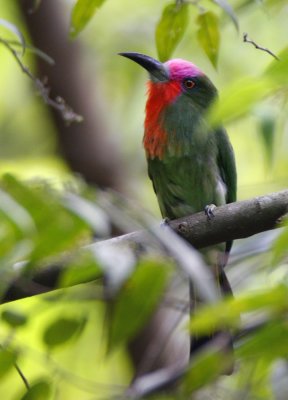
pixel 226 164
pixel 227 168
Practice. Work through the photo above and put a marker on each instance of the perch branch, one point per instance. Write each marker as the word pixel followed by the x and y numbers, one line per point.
pixel 232 221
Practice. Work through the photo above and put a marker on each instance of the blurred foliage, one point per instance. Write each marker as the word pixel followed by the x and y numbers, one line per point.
pixel 60 340
pixel 171 29
pixel 125 325
pixel 82 13
pixel 36 240
pixel 208 35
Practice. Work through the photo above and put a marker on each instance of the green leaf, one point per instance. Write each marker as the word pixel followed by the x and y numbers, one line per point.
pixel 62 330
pixel 277 70
pixel 209 35
pixel 83 269
pixel 226 313
pixel 14 318
pixel 136 301
pixel 82 12
pixel 170 29
pixel 226 6
pixel 204 369
pixel 17 214
pixel 279 249
pixel 40 390
pixel 238 98
pixel 13 28
pixel 7 360
pixel 270 342
pixel 57 229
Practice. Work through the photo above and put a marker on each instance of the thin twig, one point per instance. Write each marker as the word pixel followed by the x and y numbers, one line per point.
pixel 247 40
pixel 34 50
pixel 58 104
pixel 82 383
pixel 22 376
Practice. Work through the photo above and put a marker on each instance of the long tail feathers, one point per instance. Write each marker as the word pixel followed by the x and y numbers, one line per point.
pixel 221 339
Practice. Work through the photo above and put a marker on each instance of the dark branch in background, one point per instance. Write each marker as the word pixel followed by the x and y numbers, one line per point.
pixel 232 221
pixel 247 40
pixel 59 103
pixel 88 148
pixel 34 6
pixel 167 378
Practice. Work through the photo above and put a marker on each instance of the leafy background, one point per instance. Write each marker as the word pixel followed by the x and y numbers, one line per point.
pixel 61 341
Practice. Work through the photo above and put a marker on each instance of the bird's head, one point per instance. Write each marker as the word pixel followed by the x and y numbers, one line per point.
pixel 175 78
pixel 179 94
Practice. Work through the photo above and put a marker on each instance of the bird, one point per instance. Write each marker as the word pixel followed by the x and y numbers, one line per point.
pixel 190 163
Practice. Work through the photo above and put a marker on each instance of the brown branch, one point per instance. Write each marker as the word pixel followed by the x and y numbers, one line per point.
pixel 232 221
pixel 88 148
pixel 247 40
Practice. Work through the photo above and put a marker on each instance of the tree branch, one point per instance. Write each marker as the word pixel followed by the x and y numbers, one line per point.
pixel 59 103
pixel 89 148
pixel 232 221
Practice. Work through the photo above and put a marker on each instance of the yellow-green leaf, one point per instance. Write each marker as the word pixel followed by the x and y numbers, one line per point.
pixel 209 35
pixel 207 365
pixel 226 313
pixel 82 12
pixel 270 342
pixel 136 301
pixel 62 330
pixel 279 249
pixel 82 269
pixel 7 361
pixel 277 69
pixel 170 29
pixel 239 98
pixel 40 390
pixel 14 318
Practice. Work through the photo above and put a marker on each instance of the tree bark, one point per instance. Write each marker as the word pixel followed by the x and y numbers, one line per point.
pixel 231 221
pixel 85 146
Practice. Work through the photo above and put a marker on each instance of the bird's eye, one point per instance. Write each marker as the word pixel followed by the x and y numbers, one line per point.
pixel 189 84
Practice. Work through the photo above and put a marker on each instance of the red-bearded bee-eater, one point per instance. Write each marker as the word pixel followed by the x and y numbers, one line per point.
pixel 191 164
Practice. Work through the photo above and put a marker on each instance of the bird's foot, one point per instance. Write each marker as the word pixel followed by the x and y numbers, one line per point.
pixel 209 210
pixel 165 222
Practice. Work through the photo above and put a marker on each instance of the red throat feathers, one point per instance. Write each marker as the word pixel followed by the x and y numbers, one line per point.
pixel 160 95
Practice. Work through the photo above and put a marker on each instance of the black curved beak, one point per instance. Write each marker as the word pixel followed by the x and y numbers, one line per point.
pixel 155 68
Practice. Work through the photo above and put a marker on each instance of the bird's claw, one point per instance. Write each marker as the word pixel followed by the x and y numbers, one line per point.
pixel 165 222
pixel 209 210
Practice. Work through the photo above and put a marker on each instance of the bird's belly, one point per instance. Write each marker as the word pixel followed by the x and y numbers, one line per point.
pixel 187 187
